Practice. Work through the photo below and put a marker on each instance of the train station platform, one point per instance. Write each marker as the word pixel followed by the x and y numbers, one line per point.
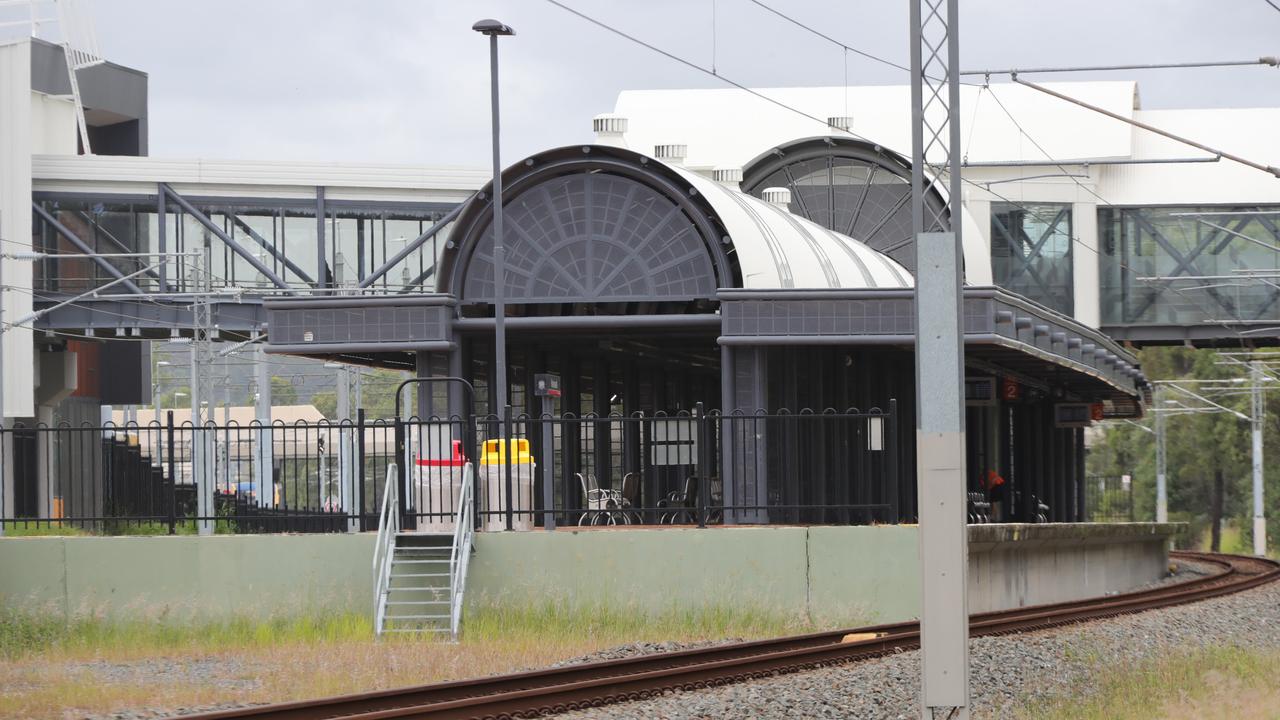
pixel 832 575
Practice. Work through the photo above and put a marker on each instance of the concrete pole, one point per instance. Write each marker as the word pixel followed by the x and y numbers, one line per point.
pixel 939 356
pixel 1256 418
pixel 1162 490
pixel 6 443
pixel 264 480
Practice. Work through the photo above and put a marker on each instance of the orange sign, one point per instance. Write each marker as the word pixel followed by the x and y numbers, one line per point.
pixel 1096 411
pixel 1010 389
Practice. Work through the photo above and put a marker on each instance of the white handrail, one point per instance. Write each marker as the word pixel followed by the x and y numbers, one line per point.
pixel 388 528
pixel 460 557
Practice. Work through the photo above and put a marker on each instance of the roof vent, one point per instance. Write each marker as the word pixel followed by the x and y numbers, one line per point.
pixel 671 154
pixel 609 129
pixel 728 176
pixel 778 196
pixel 840 122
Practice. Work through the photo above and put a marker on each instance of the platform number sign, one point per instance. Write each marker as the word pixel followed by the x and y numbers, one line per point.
pixel 1010 390
pixel 1097 412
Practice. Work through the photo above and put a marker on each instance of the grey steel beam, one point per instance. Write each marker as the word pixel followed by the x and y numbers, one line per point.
pixel 74 239
pixel 157 314
pixel 162 218
pixel 593 322
pixel 213 228
pixel 425 236
pixel 322 276
pixel 338 348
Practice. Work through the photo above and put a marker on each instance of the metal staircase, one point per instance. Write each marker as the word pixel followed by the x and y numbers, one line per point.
pixel 420 578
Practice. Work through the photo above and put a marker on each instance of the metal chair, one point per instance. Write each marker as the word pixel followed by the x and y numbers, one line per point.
pixel 679 505
pixel 601 504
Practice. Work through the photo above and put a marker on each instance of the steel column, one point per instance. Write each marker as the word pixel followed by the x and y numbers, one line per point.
pixel 940 430
pixel 322 276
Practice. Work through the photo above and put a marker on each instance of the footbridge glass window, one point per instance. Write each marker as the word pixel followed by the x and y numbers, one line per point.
pixel 1187 266
pixel 1031 252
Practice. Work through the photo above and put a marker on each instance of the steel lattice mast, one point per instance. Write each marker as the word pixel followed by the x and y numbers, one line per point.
pixel 940 440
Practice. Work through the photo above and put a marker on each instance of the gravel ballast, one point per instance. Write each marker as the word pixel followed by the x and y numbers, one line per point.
pixel 1006 672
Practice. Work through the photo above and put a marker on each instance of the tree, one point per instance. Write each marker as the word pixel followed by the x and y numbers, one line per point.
pixel 1208 453
pixel 327 403
pixel 283 392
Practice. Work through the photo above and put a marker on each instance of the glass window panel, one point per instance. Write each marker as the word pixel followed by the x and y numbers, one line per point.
pixel 1031 250
pixel 1182 266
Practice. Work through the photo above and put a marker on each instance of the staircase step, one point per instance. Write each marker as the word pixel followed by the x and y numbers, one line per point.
pixel 417 617
pixel 424 540
pixel 409 575
pixel 397 561
pixel 418 602
pixel 417 630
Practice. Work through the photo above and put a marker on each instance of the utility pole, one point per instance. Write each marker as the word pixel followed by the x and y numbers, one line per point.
pixel 264 480
pixel 1256 415
pixel 1162 481
pixel 939 297
pixel 202 394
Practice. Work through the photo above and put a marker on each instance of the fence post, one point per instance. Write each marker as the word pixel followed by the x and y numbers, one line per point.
pixel 402 479
pixel 892 468
pixel 506 467
pixel 360 468
pixel 173 479
pixel 704 482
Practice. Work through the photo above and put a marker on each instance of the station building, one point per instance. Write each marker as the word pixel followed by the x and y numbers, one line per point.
pixel 704 253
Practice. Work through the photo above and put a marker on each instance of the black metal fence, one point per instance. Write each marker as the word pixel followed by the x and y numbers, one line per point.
pixel 697 468
pixel 1108 498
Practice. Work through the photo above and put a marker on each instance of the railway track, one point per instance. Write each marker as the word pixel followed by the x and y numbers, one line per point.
pixel 543 692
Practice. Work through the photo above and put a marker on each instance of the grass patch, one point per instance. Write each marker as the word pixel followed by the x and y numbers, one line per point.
pixel 1218 682
pixel 41 530
pixel 54 669
pixel 23 634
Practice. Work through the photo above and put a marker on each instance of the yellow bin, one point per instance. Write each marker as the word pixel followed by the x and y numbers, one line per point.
pixel 493 458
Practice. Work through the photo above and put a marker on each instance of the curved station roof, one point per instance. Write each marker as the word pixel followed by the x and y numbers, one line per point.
pixel 599 223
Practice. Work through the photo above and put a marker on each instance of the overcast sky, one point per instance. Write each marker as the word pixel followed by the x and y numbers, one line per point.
pixel 407 81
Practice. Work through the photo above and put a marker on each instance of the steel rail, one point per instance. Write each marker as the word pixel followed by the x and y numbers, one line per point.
pixel 543 692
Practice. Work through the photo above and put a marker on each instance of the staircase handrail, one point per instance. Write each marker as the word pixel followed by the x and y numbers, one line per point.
pixel 388 528
pixel 463 529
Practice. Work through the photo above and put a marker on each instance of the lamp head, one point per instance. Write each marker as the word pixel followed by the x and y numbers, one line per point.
pixel 492 27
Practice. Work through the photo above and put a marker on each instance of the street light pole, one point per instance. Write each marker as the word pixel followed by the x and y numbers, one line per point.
pixel 498 379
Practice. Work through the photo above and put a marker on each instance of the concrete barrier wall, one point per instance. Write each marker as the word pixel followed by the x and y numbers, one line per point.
pixel 831 574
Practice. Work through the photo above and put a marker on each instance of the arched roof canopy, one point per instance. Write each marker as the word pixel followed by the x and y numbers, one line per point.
pixel 852 187
pixel 600 224
pixel 590 224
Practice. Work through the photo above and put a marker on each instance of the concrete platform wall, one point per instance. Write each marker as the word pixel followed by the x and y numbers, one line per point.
pixel 832 574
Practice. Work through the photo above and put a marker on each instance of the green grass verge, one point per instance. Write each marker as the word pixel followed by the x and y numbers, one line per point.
pixel 24 634
pixel 1192 683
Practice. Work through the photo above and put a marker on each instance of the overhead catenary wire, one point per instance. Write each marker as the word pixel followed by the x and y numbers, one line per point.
pixel 1273 170
pixel 1267 60
pixel 1003 198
